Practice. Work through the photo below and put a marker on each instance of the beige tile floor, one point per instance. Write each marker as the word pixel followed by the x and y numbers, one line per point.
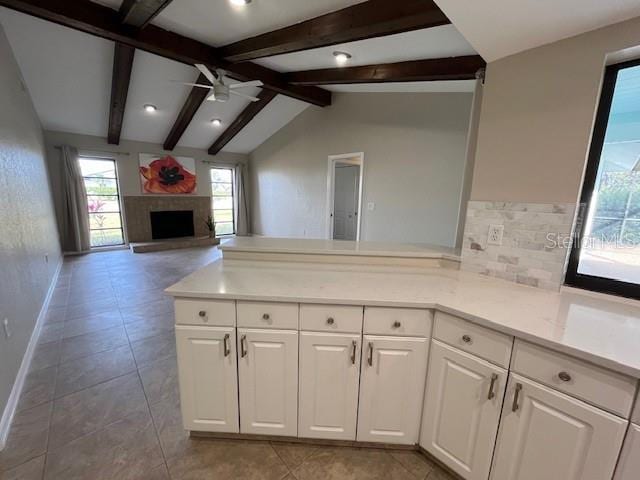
pixel 101 399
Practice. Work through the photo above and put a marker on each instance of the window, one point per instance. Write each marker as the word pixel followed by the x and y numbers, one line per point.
pixel 606 255
pixel 103 199
pixel 222 200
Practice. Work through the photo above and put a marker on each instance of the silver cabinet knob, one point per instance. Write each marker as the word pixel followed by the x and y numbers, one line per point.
pixel 396 324
pixel 330 321
pixel 564 376
pixel 265 316
pixel 466 339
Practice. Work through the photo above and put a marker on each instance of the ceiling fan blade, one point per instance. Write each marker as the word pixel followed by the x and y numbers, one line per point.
pixel 253 83
pixel 195 85
pixel 253 99
pixel 206 72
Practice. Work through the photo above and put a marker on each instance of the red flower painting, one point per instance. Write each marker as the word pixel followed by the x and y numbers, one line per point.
pixel 167 175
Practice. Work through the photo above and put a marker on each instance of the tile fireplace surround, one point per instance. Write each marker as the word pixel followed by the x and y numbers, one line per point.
pixel 138 221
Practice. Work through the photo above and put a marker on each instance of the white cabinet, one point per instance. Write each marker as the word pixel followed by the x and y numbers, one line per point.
pixel 463 400
pixel 208 378
pixel 392 381
pixel 629 464
pixel 268 381
pixel 328 382
pixel 547 434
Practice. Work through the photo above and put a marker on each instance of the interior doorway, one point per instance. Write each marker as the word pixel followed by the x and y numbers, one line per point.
pixel 344 196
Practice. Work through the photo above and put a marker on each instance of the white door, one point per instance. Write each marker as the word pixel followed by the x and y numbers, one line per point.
pixel 462 405
pixel 268 381
pixel 208 378
pixel 629 464
pixel 345 201
pixel 392 382
pixel 329 376
pixel 545 434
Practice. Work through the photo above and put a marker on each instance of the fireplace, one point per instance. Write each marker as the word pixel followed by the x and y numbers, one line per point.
pixel 171 224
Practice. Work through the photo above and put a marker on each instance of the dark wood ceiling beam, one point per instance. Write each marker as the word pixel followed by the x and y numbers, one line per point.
pixel 452 68
pixel 373 18
pixel 189 109
pixel 139 13
pixel 105 22
pixel 242 120
pixel 135 13
pixel 122 65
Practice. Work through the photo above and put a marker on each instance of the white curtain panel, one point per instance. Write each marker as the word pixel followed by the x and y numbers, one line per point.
pixel 75 212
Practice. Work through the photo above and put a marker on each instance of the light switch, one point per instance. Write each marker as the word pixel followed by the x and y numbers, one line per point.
pixel 371 206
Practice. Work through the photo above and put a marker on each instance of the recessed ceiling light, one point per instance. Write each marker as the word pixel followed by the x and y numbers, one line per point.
pixel 150 108
pixel 342 57
pixel 216 122
pixel 240 3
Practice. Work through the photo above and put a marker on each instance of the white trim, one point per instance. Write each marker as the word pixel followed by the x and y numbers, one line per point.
pixel 12 402
pixel 355 158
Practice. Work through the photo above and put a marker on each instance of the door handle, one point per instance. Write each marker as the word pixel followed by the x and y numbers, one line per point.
pixel 227 347
pixel 370 359
pixel 515 405
pixel 243 346
pixel 354 347
pixel 491 394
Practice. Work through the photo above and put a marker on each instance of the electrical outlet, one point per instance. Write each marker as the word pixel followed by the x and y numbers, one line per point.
pixel 5 324
pixel 495 234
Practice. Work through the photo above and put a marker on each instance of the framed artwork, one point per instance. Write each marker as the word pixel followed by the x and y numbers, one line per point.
pixel 166 174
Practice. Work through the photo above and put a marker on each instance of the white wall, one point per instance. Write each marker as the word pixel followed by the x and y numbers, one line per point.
pixel 27 228
pixel 414 160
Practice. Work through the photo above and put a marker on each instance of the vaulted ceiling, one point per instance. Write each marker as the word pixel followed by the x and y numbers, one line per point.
pixel 78 86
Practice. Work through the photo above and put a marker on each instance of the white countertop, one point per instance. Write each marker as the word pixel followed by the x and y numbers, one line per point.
pixel 600 329
pixel 337 247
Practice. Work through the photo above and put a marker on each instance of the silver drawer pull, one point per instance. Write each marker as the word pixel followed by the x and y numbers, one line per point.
pixel 227 347
pixel 354 347
pixel 243 346
pixel 330 321
pixel 466 339
pixel 396 324
pixel 202 313
pixel 370 359
pixel 491 394
pixel 516 395
pixel 564 376
pixel 266 316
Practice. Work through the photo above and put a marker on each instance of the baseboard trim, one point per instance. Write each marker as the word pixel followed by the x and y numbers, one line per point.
pixel 12 402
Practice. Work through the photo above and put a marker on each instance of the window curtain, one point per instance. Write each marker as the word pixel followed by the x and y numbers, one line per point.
pixel 241 209
pixel 75 216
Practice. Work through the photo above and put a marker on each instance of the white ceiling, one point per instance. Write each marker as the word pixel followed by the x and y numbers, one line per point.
pixel 68 73
pixel 444 41
pixel 498 28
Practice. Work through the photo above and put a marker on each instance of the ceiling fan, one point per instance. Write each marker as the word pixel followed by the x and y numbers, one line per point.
pixel 220 91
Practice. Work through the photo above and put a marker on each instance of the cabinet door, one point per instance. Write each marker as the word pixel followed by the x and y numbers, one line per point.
pixel 547 434
pixel 268 380
pixel 391 388
pixel 208 378
pixel 629 464
pixel 462 405
pixel 329 376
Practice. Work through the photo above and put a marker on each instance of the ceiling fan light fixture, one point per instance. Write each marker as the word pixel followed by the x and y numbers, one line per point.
pixel 341 57
pixel 150 108
pixel 240 3
pixel 216 122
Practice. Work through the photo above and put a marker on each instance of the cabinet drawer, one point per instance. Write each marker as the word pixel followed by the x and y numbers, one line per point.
pixel 472 338
pixel 404 322
pixel 217 313
pixel 331 318
pixel 610 390
pixel 268 315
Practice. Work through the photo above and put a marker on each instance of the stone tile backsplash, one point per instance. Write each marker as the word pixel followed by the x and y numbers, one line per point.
pixel 533 248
